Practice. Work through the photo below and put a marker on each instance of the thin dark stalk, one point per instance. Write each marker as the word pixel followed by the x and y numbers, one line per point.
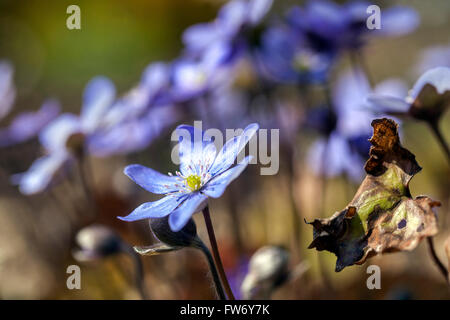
pixel 296 221
pixel 212 267
pixel 138 270
pixel 323 272
pixel 322 182
pixel 323 186
pixel 88 192
pixel 215 252
pixel 436 260
pixel 437 133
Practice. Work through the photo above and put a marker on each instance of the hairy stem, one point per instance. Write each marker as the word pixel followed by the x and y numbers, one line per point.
pixel 215 252
pixel 212 267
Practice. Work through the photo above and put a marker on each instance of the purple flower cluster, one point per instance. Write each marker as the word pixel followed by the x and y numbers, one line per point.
pixel 240 59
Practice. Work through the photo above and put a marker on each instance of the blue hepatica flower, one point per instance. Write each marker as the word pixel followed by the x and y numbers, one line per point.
pixel 229 33
pixel 427 100
pixel 203 174
pixel 330 27
pixel 136 102
pixel 346 147
pixel 191 78
pixel 138 117
pixel 285 56
pixel 66 136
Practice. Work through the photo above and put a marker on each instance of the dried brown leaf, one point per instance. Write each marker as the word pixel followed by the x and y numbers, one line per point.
pixel 382 217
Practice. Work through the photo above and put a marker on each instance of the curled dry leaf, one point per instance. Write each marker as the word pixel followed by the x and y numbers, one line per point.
pixel 382 217
pixel 154 249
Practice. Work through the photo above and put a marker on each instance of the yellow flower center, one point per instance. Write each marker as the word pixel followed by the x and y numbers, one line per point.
pixel 193 182
pixel 302 62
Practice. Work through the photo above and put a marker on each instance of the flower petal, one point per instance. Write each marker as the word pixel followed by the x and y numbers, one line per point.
pixel 232 16
pixel 196 149
pixel 258 9
pixel 156 209
pixel 40 174
pixel 55 134
pixel 338 158
pixel 151 180
pixel 216 186
pixel 387 104
pixel 179 218
pixel 155 77
pixel 398 21
pixel 226 157
pixel 199 36
pixel 27 124
pixel 97 98
pixel 349 96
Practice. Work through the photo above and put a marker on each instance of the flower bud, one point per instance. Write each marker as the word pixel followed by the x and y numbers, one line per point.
pixel 96 242
pixel 186 237
pixel 268 269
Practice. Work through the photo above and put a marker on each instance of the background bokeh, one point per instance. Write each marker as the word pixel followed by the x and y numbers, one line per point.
pixel 119 39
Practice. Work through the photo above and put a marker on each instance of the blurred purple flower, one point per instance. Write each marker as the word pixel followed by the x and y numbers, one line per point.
pixel 202 174
pixel 285 56
pixel 330 27
pixel 427 100
pixel 229 34
pixel 237 275
pixel 227 108
pixel 66 136
pixel 135 134
pixel 28 124
pixel 7 88
pixel 346 147
pixel 193 79
pixel 138 101
pixel 138 117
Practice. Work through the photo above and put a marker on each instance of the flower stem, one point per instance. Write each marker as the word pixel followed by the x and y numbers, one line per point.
pixel 212 267
pixel 296 214
pixel 88 192
pixel 215 252
pixel 436 260
pixel 323 188
pixel 138 269
pixel 435 128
